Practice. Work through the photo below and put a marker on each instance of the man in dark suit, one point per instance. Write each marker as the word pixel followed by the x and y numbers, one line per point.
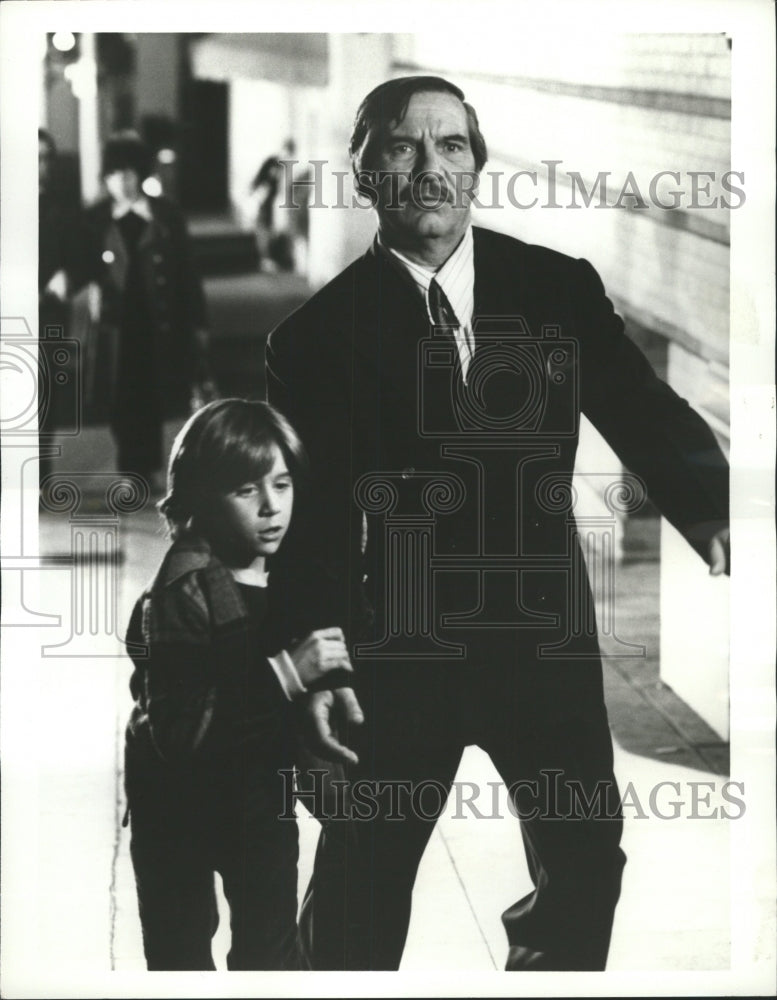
pixel 58 252
pixel 437 384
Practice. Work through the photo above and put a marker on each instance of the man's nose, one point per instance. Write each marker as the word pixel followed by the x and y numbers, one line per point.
pixel 429 160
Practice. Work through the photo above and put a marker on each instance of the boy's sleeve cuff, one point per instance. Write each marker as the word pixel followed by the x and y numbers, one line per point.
pixel 287 675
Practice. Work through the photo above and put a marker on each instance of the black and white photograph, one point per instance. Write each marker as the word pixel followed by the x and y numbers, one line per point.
pixel 388 521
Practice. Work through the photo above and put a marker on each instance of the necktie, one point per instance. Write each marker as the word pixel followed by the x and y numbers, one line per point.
pixel 439 306
pixel 443 315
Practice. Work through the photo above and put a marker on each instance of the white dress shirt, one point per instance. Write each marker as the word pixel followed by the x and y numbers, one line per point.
pixel 456 277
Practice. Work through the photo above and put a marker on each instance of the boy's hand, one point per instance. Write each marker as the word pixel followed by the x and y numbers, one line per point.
pixel 322 651
pixel 324 709
pixel 720 553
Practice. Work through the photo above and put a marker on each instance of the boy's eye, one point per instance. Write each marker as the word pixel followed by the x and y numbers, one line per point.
pixel 283 484
pixel 246 490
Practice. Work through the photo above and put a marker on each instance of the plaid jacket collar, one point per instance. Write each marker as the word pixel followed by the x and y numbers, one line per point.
pixel 190 554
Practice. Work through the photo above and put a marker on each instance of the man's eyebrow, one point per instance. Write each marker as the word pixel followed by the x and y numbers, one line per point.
pixel 397 137
pixel 391 137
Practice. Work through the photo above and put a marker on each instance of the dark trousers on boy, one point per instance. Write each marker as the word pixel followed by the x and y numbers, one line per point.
pixel 183 832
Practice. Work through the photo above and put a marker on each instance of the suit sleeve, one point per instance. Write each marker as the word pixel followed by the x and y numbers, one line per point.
pixel 318 563
pixel 654 432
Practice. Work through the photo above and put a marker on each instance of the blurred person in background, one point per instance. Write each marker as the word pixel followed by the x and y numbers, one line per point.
pixel 147 360
pixel 57 256
pixel 56 232
pixel 276 220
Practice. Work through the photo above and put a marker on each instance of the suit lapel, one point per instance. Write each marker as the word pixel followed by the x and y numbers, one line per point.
pixel 501 290
pixel 389 314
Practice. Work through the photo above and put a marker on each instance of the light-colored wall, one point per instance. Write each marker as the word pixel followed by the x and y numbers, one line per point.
pixel 358 62
pixel 258 125
pixel 643 103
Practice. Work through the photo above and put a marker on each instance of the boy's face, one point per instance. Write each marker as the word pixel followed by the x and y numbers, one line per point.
pixel 252 519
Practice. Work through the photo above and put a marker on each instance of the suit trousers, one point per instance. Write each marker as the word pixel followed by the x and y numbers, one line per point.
pixel 545 728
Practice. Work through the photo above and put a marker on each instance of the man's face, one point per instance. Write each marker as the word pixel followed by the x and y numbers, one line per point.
pixel 431 168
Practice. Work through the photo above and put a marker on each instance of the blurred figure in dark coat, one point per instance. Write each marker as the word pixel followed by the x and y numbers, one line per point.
pixel 57 258
pixel 150 351
pixel 56 232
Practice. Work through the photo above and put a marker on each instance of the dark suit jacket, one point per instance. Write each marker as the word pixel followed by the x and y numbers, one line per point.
pixel 350 371
pixel 173 293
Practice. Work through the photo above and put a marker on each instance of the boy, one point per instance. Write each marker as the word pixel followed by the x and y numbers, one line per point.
pixel 212 726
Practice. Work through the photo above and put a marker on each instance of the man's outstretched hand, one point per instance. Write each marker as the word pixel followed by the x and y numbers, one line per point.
pixel 720 553
pixel 323 712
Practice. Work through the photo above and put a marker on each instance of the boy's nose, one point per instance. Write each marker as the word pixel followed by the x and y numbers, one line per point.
pixel 267 506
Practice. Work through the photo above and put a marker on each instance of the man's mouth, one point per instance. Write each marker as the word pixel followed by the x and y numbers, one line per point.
pixel 429 202
pixel 429 196
pixel 268 534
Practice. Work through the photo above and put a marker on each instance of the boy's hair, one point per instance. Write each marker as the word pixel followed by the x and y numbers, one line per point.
pixel 225 444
